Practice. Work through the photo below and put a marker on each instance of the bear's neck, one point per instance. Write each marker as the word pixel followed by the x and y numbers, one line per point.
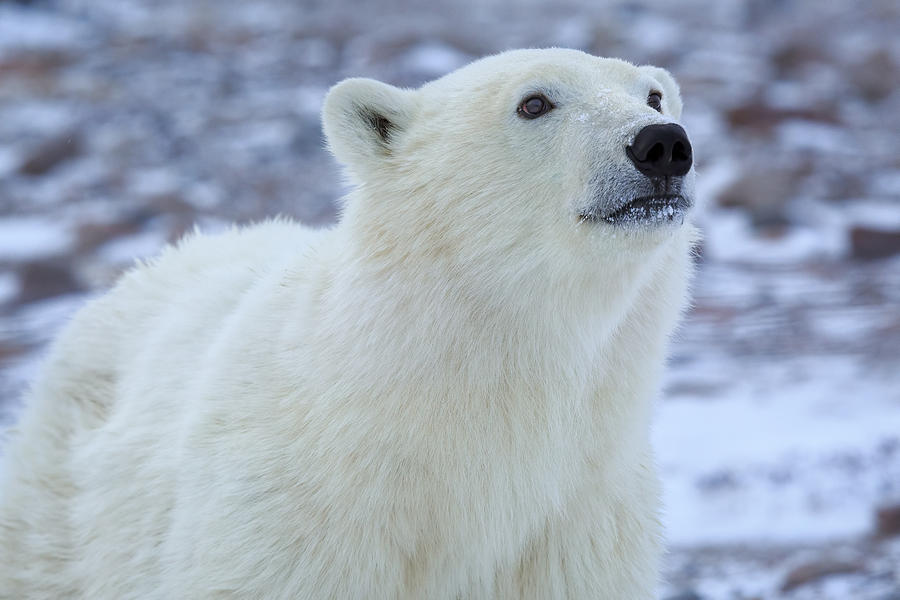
pixel 537 354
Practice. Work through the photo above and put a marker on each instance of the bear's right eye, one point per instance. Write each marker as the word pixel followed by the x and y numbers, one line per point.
pixel 534 106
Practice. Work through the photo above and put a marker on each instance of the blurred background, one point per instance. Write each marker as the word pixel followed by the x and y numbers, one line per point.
pixel 125 122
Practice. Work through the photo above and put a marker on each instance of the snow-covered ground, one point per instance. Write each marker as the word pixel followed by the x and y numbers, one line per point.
pixel 123 123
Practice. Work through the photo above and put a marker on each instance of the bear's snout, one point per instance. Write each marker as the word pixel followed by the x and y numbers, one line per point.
pixel 661 151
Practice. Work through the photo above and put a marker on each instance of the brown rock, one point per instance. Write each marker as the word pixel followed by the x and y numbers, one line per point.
pixel 45 279
pixel 887 520
pixel 94 234
pixel 761 190
pixel 758 116
pixel 797 52
pixel 50 153
pixel 34 64
pixel 867 243
pixel 875 77
pixel 819 569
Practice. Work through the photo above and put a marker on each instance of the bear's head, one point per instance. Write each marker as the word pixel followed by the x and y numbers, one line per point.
pixel 542 157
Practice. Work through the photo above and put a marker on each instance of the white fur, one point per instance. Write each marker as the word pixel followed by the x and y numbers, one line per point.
pixel 445 396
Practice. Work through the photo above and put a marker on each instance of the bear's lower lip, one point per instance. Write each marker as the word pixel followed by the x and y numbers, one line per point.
pixel 663 208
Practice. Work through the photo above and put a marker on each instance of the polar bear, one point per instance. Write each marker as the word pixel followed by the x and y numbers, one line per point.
pixel 446 395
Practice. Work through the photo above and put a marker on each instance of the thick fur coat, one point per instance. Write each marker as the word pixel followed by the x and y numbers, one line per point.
pixel 447 395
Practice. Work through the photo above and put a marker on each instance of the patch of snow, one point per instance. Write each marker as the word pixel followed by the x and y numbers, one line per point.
pixel 575 33
pixel 876 215
pixel 317 53
pixel 39 117
pixel 153 182
pixel 655 33
pixel 24 28
pixel 28 238
pixel 10 286
pixel 125 250
pixel 791 450
pixel 729 237
pixel 275 134
pixel 41 321
pixel 434 58
pixel 203 194
pixel 309 99
pixel 711 180
pixel 9 160
pixel 798 134
pixel 849 322
pixel 886 183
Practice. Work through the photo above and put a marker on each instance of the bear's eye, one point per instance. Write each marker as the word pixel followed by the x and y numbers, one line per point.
pixel 534 106
pixel 654 101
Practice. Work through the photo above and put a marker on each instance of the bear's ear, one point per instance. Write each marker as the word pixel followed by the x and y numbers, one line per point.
pixel 363 119
pixel 671 93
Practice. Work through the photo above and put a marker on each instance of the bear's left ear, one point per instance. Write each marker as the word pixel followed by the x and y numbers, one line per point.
pixel 363 119
pixel 671 93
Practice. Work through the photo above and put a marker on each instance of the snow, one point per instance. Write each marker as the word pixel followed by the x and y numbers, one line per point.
pixel 125 250
pixel 153 182
pixel 309 100
pixel 778 421
pixel 32 30
pixel 877 214
pixel 31 238
pixel 9 287
pixel 798 134
pixel 434 59
pixel 729 237
pixel 40 117
pixel 9 160
pixel 797 449
pixel 887 184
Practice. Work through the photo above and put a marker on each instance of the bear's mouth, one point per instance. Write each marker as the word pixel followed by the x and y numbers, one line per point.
pixel 657 208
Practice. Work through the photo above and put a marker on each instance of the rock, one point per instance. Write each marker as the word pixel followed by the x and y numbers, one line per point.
pixel 92 235
pixel 45 279
pixel 10 350
pixel 818 569
pixel 755 115
pixel 868 243
pixel 685 595
pixel 875 76
pixel 761 190
pixel 887 520
pixel 796 52
pixel 50 153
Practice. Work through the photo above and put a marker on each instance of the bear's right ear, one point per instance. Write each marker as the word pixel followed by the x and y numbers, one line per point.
pixel 363 119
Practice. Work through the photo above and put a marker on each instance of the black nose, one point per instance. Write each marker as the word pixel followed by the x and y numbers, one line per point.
pixel 661 150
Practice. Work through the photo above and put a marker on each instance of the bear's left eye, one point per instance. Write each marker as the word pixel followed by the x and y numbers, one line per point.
pixel 654 101
pixel 534 106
